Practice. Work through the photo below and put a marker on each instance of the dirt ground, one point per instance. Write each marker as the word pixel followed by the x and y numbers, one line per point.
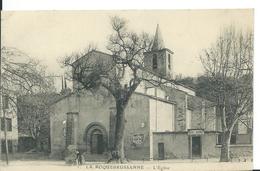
pixel 134 165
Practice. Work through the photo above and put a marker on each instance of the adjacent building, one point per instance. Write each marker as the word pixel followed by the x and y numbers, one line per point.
pixel 10 122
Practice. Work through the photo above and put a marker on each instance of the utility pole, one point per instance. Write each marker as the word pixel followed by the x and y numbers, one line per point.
pixel 5 107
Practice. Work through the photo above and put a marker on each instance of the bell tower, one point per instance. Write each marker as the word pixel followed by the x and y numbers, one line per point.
pixel 159 59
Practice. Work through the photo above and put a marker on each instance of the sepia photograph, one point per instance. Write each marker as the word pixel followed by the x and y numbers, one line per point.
pixel 127 90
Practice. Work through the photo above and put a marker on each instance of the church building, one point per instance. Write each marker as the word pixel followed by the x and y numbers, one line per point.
pixel 166 122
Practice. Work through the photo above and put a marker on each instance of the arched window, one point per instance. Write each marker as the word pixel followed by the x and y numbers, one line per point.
pixel 169 61
pixel 155 64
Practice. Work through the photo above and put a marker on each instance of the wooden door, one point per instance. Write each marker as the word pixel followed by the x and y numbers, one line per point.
pixel 161 151
pixel 196 147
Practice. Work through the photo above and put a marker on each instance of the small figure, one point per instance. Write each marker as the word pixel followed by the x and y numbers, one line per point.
pixel 78 158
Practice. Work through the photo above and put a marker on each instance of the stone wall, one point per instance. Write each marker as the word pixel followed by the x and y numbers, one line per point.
pixel 162 62
pixel 178 97
pixel 210 116
pixel 137 124
pixel 209 148
pixel 100 108
pixel 241 151
pixel 197 120
pixel 244 138
pixel 71 128
pixel 88 107
pixel 176 145
pixel 58 126
pixel 202 111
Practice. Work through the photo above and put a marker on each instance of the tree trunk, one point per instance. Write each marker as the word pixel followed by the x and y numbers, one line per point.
pixel 226 135
pixel 118 153
pixel 225 150
pixel 38 144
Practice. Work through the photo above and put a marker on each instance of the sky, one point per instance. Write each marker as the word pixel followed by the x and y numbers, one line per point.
pixel 50 35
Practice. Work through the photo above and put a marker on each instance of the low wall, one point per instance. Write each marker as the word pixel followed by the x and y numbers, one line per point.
pixel 177 146
pixel 240 150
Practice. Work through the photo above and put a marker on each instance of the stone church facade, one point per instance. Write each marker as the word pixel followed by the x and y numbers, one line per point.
pixel 161 123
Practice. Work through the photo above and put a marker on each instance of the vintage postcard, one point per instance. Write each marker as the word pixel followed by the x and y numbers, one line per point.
pixel 127 90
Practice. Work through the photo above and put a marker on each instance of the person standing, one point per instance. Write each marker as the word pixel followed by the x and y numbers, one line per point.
pixel 78 158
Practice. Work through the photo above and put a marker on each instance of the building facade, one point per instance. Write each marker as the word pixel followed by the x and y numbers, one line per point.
pixel 164 122
pixel 10 122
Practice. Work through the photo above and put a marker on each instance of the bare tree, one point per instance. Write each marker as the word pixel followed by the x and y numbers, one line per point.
pixel 22 76
pixel 120 74
pixel 228 65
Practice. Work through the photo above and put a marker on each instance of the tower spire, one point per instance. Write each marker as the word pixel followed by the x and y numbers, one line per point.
pixel 158 43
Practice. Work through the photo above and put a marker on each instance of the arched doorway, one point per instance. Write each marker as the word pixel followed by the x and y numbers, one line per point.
pixel 97 142
pixel 96 138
